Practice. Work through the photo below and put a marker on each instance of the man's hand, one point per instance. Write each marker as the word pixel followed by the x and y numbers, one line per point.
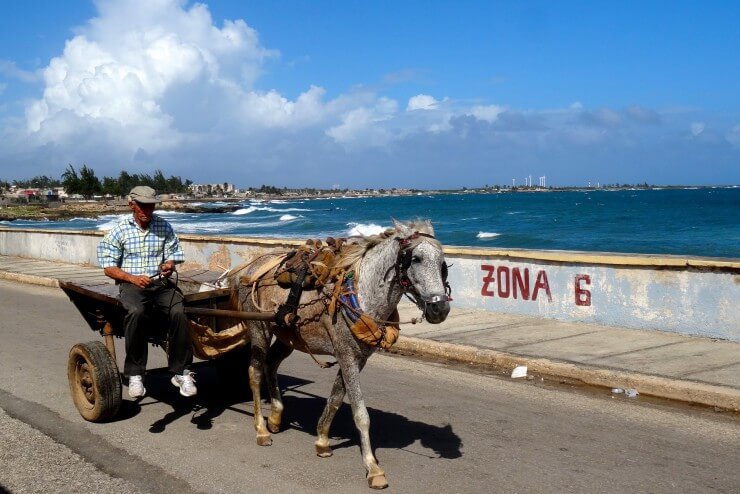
pixel 142 281
pixel 167 268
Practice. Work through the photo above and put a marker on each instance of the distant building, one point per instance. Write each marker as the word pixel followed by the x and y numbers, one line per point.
pixel 212 189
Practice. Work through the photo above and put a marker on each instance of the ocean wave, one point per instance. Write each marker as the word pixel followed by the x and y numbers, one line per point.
pixel 364 230
pixel 269 210
pixel 206 227
pixel 288 217
pixel 287 201
pixel 248 210
pixel 167 212
pixel 487 234
pixel 110 220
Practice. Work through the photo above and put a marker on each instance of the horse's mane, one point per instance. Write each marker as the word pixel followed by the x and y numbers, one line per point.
pixel 357 247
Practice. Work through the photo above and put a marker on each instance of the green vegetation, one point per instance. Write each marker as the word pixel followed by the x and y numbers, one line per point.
pixel 86 183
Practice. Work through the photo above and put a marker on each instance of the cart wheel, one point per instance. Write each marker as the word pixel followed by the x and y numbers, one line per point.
pixel 94 381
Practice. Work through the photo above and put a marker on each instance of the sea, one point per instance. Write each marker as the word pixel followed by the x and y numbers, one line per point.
pixel 689 221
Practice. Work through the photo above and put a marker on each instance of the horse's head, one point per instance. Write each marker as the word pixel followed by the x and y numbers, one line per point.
pixel 421 269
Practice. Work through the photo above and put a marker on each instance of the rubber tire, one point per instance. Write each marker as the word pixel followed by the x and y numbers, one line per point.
pixel 94 381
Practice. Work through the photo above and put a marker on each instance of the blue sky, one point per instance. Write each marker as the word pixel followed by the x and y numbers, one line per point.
pixel 373 94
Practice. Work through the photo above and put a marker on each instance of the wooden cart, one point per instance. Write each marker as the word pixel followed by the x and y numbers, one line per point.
pixel 92 369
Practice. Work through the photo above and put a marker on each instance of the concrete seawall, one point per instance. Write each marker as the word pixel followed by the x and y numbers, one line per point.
pixel 691 296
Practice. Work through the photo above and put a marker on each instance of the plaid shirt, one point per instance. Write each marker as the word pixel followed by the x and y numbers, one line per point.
pixel 137 251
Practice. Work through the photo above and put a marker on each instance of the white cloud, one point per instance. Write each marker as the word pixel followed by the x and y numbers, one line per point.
pixel 363 127
pixel 422 102
pixel 488 113
pixel 9 69
pixel 121 67
pixel 733 136
pixel 697 128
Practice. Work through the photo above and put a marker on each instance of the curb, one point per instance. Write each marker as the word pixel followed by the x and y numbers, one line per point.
pixel 29 279
pixel 692 392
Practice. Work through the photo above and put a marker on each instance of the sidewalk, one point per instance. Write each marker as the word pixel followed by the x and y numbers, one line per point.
pixel 666 365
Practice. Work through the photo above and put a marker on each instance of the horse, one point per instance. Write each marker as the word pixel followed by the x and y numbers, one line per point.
pixel 375 273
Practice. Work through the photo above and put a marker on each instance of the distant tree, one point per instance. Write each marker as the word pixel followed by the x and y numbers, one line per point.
pixel 125 183
pixel 71 181
pixel 89 183
pixel 159 183
pixel 38 182
pixel 110 186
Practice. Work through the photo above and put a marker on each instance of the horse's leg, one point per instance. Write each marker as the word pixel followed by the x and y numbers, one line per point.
pixel 260 343
pixel 351 372
pixel 276 354
pixel 332 405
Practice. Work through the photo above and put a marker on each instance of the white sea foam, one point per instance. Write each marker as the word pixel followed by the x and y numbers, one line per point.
pixel 268 209
pixel 288 217
pixel 206 227
pixel 364 230
pixel 285 201
pixel 487 235
pixel 110 220
pixel 166 212
pixel 248 210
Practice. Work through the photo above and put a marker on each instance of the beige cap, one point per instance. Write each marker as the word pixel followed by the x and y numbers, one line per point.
pixel 143 194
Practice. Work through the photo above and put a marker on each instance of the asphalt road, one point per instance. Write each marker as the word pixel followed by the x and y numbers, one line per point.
pixel 435 428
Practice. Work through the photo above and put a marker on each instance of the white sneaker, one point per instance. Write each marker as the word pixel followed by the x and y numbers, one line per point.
pixel 186 383
pixel 136 387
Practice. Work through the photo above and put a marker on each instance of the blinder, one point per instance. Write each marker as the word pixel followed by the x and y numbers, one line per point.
pixel 405 257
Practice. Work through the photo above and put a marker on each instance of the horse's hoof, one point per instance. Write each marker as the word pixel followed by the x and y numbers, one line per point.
pixel 273 427
pixel 377 481
pixel 265 440
pixel 323 451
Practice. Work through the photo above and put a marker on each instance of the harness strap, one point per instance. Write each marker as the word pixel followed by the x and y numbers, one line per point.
pixel 263 269
pixel 287 313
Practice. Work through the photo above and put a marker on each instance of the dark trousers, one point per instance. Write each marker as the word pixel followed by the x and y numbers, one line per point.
pixel 160 298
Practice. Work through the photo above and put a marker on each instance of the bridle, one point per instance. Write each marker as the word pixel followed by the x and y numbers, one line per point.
pixel 402 265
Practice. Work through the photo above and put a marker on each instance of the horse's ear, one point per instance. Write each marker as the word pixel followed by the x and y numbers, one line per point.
pixel 402 229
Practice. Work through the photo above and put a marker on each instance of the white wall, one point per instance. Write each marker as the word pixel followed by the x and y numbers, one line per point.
pixel 694 296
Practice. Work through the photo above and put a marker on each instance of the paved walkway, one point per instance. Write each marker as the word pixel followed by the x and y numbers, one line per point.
pixel 691 369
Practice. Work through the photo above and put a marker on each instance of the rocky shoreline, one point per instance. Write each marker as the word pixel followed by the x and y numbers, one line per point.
pixel 69 210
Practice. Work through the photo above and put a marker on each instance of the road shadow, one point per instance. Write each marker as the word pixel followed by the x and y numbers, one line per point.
pixel 387 429
pixel 217 392
pixel 302 412
pixel 210 402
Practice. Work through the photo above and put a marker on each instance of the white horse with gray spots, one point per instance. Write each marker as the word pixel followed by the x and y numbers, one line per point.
pixel 406 260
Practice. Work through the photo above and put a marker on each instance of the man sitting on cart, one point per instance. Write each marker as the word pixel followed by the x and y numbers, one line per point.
pixel 140 253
